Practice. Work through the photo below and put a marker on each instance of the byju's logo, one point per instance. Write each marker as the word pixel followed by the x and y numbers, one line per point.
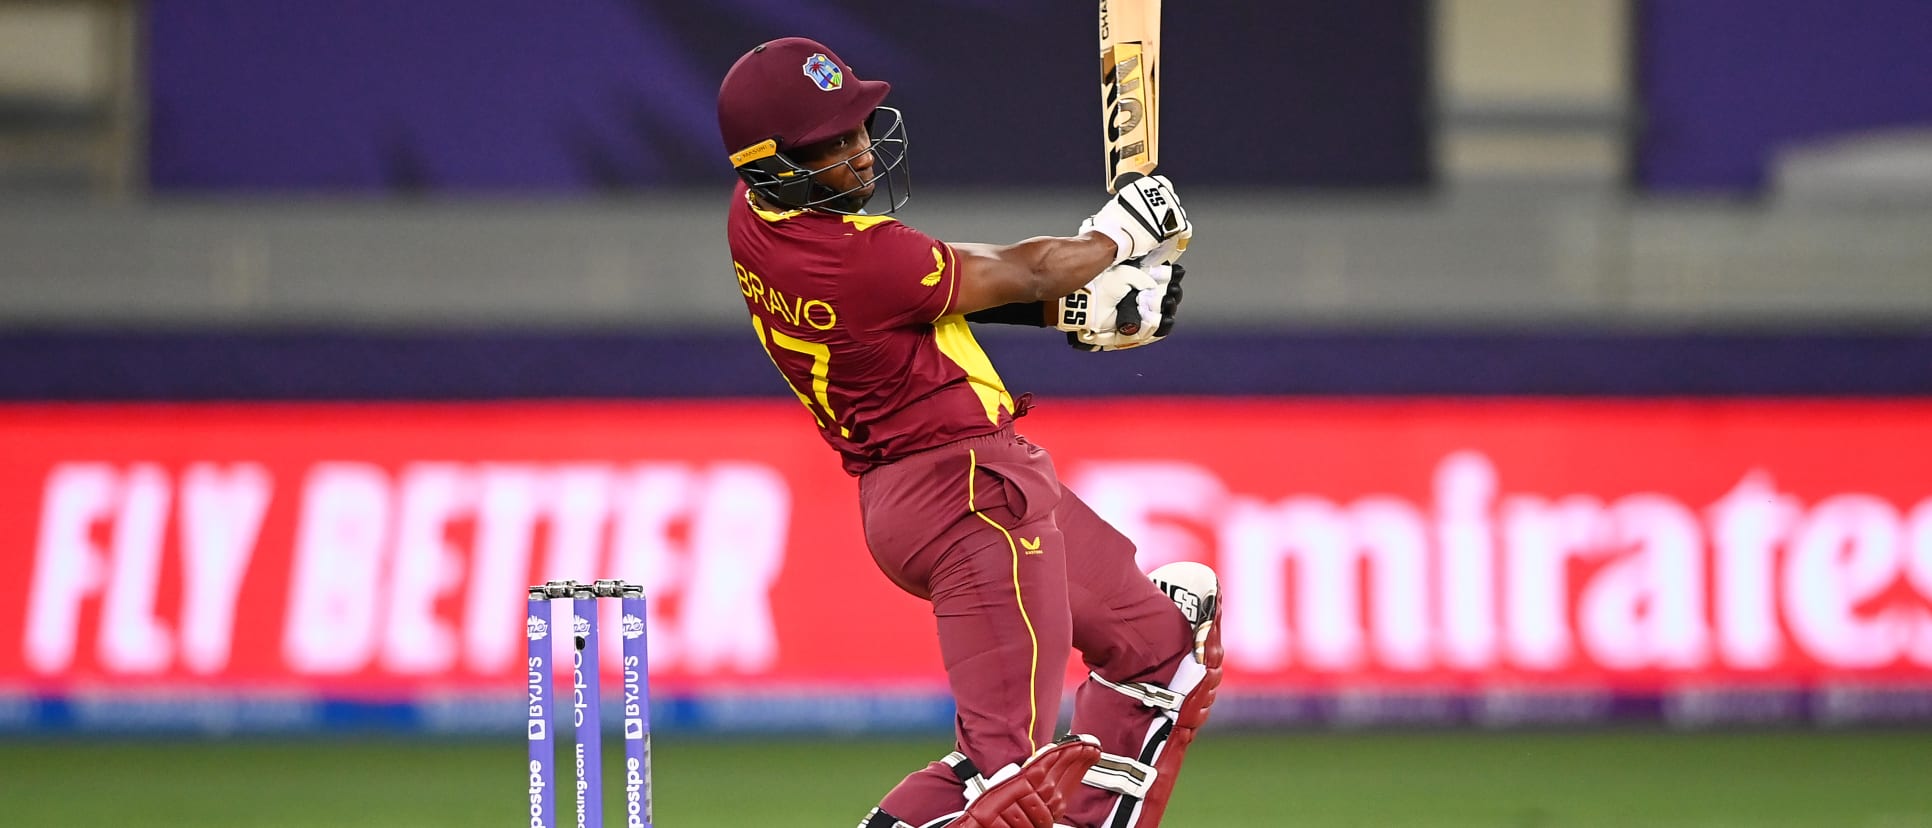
pixel 633 728
pixel 537 628
pixel 633 626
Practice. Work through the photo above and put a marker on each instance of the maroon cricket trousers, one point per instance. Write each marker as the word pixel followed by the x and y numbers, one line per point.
pixel 1019 572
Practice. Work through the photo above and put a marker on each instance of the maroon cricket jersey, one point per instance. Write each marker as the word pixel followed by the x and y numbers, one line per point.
pixel 857 313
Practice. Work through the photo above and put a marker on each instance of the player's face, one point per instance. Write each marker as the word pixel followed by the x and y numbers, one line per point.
pixel 845 162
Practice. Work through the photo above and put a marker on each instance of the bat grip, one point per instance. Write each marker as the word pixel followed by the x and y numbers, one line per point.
pixel 1124 179
pixel 1127 312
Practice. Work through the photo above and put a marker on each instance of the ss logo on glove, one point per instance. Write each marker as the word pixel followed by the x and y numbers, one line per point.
pixel 1073 309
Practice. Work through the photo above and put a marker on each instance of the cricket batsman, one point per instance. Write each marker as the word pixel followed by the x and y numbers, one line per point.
pixel 867 321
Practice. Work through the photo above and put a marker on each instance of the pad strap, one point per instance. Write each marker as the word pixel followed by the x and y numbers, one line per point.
pixel 1122 775
pixel 977 783
pixel 967 773
pixel 1147 693
pixel 878 818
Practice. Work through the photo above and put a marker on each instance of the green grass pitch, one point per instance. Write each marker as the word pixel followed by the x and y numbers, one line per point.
pixel 1430 779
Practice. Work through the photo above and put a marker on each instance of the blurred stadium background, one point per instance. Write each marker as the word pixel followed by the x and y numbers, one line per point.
pixel 1552 395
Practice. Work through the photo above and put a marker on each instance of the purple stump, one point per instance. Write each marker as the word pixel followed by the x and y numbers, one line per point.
pixel 589 716
pixel 637 710
pixel 541 683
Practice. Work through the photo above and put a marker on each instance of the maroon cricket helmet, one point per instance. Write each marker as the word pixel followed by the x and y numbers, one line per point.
pixel 793 90
pixel 793 93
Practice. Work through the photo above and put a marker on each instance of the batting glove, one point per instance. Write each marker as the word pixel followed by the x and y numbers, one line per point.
pixel 1156 308
pixel 1140 217
pixel 1109 301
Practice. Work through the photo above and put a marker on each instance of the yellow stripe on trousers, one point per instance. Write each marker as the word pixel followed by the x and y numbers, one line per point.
pixel 1033 667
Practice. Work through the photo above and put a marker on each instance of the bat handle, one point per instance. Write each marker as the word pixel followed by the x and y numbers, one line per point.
pixel 1127 312
pixel 1124 179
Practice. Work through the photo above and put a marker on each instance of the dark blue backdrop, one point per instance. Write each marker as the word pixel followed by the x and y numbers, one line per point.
pixel 596 95
pixel 1725 83
pixel 589 95
pixel 75 365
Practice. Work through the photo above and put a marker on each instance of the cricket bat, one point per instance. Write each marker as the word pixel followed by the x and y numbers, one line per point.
pixel 1130 107
pixel 1130 51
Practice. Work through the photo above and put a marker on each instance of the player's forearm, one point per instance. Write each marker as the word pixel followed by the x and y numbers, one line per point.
pixel 1041 269
pixel 1061 265
pixel 1058 258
